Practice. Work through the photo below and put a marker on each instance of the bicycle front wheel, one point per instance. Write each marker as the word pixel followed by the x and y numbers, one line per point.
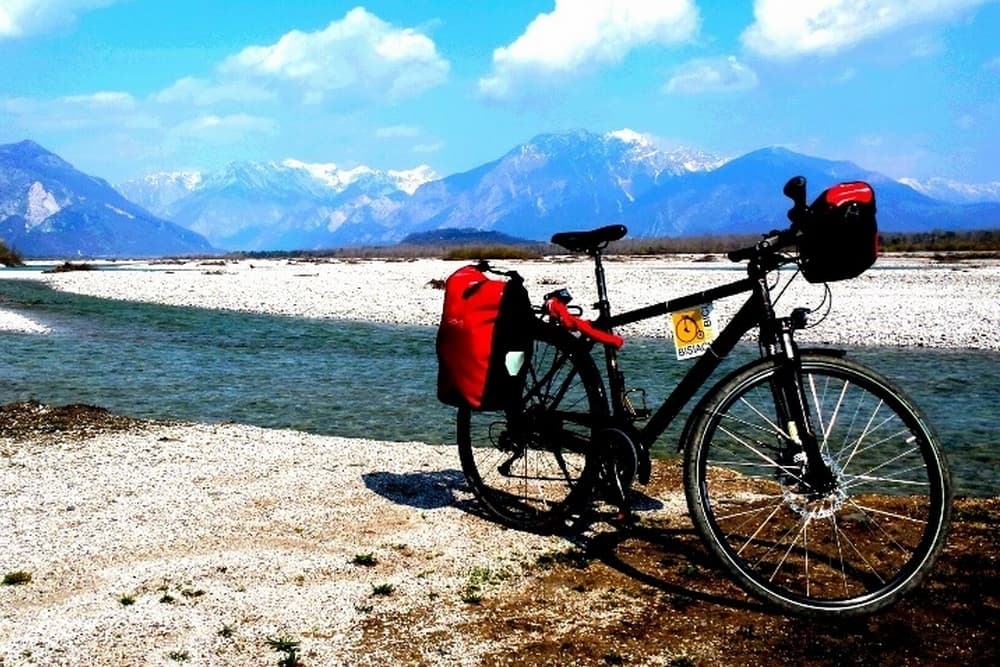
pixel 852 550
pixel 530 465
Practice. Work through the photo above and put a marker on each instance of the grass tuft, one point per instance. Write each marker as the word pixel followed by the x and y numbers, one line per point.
pixel 366 559
pixel 17 578
pixel 289 647
pixel 383 590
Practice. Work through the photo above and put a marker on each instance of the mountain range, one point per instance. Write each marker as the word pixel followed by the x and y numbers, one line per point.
pixel 49 209
pixel 555 182
pixel 282 205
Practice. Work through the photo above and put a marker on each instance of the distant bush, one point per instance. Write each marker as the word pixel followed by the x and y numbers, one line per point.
pixel 491 252
pixel 988 240
pixel 980 240
pixel 70 266
pixel 10 257
pixel 700 245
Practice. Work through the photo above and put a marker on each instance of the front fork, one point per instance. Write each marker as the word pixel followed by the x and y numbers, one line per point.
pixel 793 413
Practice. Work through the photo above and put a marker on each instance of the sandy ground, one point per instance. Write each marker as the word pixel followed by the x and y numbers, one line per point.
pixel 163 544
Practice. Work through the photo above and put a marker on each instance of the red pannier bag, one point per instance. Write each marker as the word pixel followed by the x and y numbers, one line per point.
pixel 484 341
pixel 839 236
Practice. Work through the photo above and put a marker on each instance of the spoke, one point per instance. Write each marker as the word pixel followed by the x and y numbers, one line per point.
pixel 756 510
pixel 883 531
pixel 759 453
pixel 720 463
pixel 840 552
pixel 835 413
pixel 864 560
pixel 892 436
pixel 777 429
pixel 894 515
pixel 757 427
pixel 805 551
pixel 819 408
pixel 888 462
pixel 788 551
pixel 861 480
pixel 863 435
pixel 759 528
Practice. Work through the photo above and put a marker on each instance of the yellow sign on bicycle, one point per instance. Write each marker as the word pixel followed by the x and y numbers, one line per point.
pixel 694 330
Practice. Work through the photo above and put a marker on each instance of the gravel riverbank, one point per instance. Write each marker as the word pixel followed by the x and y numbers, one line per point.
pixel 125 542
pixel 905 300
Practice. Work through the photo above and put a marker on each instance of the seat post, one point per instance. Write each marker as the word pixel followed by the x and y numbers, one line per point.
pixel 603 306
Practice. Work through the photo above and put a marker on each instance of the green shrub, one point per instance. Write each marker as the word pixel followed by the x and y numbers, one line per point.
pixel 10 257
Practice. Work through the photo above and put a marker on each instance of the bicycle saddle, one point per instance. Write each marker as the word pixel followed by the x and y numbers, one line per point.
pixel 589 241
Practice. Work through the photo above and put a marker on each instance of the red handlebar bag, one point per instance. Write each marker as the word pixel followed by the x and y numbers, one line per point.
pixel 840 236
pixel 484 340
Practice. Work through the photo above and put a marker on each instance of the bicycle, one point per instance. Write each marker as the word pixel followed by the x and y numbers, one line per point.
pixel 815 482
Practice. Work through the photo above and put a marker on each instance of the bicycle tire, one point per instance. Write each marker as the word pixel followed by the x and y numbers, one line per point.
pixel 530 465
pixel 850 552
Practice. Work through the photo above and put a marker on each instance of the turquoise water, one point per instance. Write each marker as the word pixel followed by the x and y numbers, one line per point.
pixel 368 380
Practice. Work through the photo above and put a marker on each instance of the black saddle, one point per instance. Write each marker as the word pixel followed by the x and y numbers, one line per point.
pixel 590 241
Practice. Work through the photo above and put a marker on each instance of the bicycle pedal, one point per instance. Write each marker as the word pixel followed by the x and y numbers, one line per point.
pixel 640 412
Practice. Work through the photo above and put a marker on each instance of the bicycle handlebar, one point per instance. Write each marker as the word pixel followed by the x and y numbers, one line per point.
pixel 772 242
pixel 775 240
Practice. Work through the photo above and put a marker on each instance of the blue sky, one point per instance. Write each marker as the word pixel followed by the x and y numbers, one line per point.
pixel 121 88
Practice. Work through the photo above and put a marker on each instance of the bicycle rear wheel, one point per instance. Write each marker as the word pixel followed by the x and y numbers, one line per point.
pixel 530 465
pixel 850 551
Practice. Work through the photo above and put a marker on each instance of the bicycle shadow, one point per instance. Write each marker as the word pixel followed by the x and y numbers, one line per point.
pixel 424 490
pixel 650 555
pixel 670 560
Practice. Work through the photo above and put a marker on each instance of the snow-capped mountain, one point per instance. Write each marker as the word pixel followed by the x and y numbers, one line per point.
pixel 953 191
pixel 155 192
pixel 580 180
pixel 48 208
pixel 676 161
pixel 283 205
pixel 554 182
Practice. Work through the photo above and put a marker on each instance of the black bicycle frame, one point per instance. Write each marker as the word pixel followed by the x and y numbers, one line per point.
pixel 758 311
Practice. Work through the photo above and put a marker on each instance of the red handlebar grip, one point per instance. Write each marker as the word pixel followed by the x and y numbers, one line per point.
pixel 560 312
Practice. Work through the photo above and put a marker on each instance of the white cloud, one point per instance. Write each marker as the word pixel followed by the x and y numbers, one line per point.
pixel 360 57
pixel 102 111
pixel 103 100
pixel 788 28
pixel 582 34
pixel 429 148
pixel 20 18
pixel 966 121
pixel 397 132
pixel 711 75
pixel 223 129
pixel 202 92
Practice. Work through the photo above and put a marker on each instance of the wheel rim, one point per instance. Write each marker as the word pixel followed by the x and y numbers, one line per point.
pixel 863 540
